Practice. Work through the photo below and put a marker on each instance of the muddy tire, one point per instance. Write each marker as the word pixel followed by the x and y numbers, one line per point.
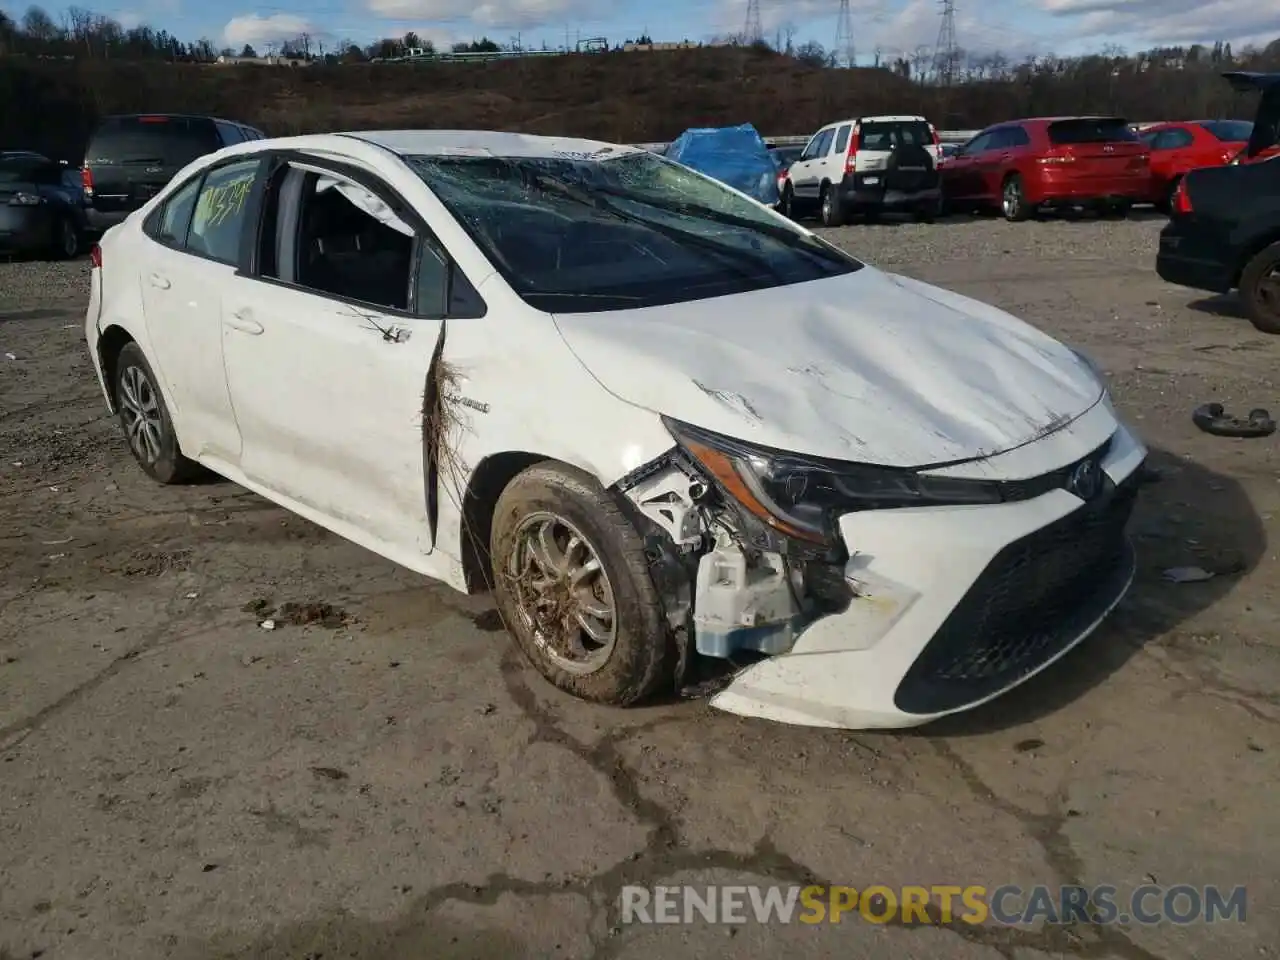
pixel 573 587
pixel 144 418
pixel 1260 289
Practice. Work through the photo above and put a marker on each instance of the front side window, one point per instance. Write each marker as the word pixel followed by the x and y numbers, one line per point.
pixel 575 233
pixel 218 221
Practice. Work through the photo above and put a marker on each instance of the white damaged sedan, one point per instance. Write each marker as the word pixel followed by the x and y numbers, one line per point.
pixel 663 423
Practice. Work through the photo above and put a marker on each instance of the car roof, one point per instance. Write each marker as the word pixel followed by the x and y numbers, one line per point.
pixel 480 142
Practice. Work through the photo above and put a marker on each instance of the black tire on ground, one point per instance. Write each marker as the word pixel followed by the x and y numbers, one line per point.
pixel 141 410
pixel 1260 289
pixel 787 203
pixel 642 655
pixel 1013 200
pixel 1119 209
pixel 66 240
pixel 832 211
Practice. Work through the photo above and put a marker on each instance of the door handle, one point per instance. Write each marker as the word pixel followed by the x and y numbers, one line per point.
pixel 243 321
pixel 158 281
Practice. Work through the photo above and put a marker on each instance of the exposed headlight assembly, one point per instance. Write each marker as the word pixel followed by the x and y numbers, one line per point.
pixel 803 497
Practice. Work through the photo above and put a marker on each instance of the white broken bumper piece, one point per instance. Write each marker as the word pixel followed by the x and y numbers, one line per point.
pixel 953 606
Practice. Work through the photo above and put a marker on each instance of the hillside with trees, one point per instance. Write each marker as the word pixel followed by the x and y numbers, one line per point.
pixel 57 78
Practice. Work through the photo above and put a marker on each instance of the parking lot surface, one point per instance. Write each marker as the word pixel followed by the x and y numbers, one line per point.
pixel 382 777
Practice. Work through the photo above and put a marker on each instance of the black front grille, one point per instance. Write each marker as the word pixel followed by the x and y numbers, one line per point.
pixel 1035 597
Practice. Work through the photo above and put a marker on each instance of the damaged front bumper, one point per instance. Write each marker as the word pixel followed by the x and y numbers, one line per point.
pixel 939 608
pixel 954 606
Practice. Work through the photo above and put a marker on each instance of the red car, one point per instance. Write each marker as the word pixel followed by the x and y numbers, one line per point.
pixel 1177 148
pixel 1023 165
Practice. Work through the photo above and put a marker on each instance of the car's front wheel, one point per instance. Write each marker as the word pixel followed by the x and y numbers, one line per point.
pixel 572 584
pixel 145 419
pixel 1260 289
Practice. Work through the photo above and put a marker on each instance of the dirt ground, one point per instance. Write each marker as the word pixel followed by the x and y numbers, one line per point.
pixel 389 781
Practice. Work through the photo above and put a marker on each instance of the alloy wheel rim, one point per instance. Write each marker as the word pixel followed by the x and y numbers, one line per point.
pixel 140 406
pixel 1011 198
pixel 563 594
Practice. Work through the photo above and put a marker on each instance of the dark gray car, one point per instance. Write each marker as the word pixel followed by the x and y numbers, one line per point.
pixel 42 207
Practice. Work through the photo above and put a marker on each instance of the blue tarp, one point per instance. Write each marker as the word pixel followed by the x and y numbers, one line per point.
pixel 733 155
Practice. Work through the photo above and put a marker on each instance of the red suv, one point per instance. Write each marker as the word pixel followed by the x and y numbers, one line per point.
pixel 1023 165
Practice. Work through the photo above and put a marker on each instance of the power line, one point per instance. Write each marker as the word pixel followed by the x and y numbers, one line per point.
pixel 753 32
pixel 844 51
pixel 946 53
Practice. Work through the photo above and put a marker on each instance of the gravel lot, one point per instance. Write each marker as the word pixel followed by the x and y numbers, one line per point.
pixel 395 783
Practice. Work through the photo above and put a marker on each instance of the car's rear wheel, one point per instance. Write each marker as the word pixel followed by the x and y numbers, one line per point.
pixel 832 213
pixel 145 420
pixel 1260 289
pixel 1013 199
pixel 66 239
pixel 572 584
pixel 787 203
pixel 1118 209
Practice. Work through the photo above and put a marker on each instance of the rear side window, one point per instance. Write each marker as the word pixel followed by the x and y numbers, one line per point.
pixel 176 218
pixel 1230 131
pixel 231 133
pixel 842 138
pixel 160 140
pixel 889 135
pixel 1090 130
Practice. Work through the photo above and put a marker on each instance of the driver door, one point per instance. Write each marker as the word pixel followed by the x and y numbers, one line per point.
pixel 806 173
pixel 960 179
pixel 328 342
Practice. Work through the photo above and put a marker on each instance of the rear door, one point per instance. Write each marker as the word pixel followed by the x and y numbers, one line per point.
pixel 132 158
pixel 1100 148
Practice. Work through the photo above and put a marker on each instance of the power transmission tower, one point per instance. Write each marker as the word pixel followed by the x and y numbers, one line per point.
pixel 753 32
pixel 843 49
pixel 945 51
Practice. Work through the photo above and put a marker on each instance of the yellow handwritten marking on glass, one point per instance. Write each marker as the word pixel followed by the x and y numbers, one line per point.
pixel 221 203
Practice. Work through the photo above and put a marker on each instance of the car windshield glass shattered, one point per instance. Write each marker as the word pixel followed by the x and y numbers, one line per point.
pixel 573 233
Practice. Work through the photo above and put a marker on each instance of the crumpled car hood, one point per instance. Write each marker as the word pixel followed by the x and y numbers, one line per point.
pixel 868 366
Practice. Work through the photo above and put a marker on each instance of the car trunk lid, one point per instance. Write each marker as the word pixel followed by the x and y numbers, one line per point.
pixel 1265 137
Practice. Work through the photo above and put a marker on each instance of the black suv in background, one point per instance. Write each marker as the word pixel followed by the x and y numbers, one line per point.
pixel 129 159
pixel 1224 229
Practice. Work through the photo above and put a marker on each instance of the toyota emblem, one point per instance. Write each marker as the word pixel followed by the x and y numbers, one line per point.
pixel 1085 480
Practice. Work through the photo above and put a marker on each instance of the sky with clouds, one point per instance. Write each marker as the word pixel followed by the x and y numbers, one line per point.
pixel 892 26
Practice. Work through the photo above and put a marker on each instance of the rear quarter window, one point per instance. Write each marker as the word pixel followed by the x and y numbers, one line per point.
pixel 166 141
pixel 1230 131
pixel 1090 130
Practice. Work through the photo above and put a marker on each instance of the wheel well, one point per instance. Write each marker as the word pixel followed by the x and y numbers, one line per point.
pixel 1251 251
pixel 112 341
pixel 487 482
pixel 1011 175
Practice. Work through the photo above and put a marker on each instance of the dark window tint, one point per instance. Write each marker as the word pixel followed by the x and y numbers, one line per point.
pixel 631 231
pixel 218 221
pixel 824 143
pixel 890 134
pixel 175 219
pixel 22 170
pixel 1090 130
pixel 1017 137
pixel 842 138
pixel 978 144
pixel 164 141
pixel 230 133
pixel 1230 131
pixel 1174 140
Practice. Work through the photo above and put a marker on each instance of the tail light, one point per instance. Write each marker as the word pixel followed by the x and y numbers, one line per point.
pixel 1181 199
pixel 86 180
pixel 937 140
pixel 95 257
pixel 1053 158
pixel 851 158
